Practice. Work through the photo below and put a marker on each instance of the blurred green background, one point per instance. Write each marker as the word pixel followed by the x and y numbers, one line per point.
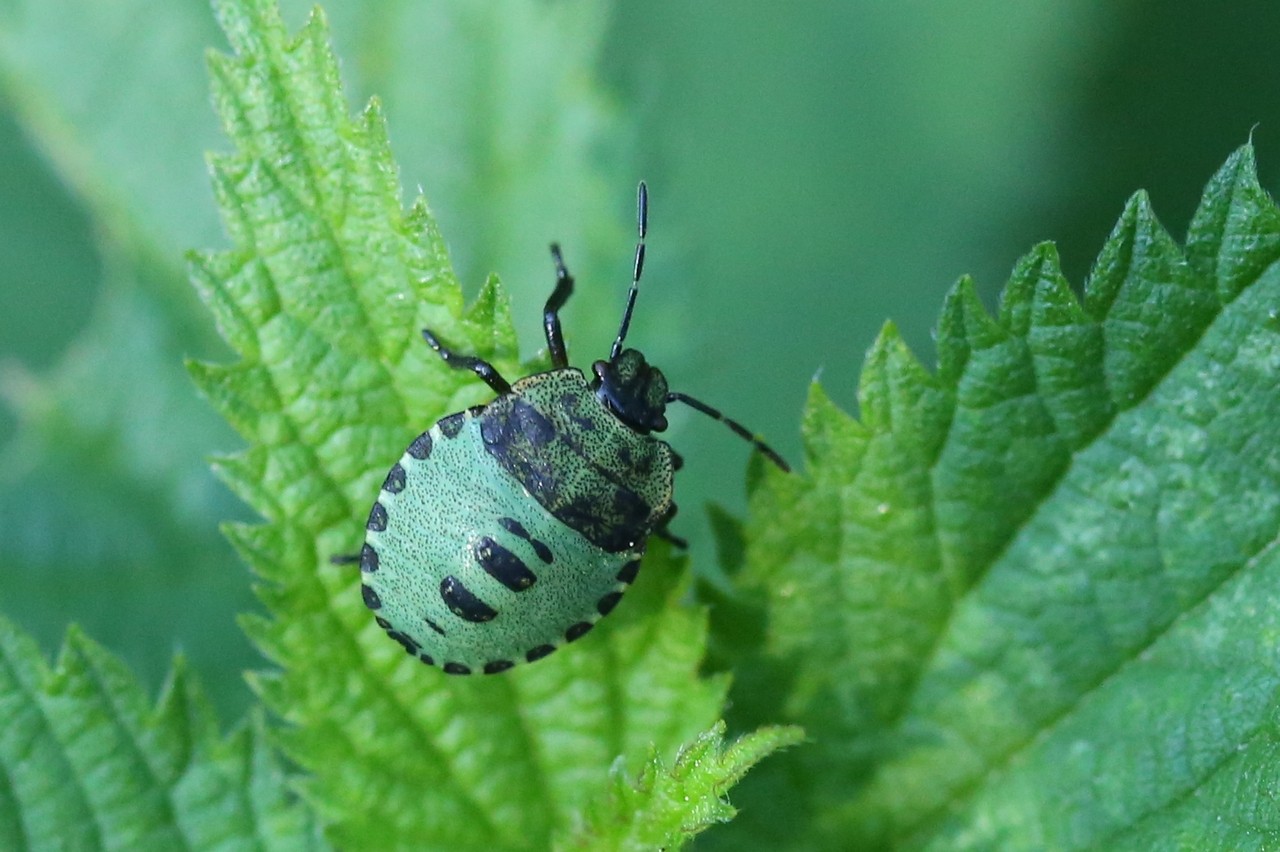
pixel 815 169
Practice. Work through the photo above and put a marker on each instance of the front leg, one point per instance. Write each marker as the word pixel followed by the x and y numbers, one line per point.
pixel 551 312
pixel 480 367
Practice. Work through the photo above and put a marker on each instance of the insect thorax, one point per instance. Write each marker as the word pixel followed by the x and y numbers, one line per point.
pixel 587 468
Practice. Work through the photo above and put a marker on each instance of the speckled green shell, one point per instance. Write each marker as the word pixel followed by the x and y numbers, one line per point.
pixel 509 529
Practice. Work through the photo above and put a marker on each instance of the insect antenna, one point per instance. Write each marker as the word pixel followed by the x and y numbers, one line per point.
pixel 642 225
pixel 738 429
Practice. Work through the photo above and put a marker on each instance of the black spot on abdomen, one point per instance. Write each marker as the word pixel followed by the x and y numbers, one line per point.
pixel 514 527
pixel 629 571
pixel 394 483
pixel 503 565
pixel 410 645
pixel 606 604
pixel 539 652
pixel 577 631
pixel 463 603
pixel 450 426
pixel 420 449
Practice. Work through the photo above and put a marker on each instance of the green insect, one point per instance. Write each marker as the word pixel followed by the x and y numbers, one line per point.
pixel 509 529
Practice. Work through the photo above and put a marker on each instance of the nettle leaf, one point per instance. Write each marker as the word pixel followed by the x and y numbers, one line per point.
pixel 661 807
pixel 1033 600
pixel 85 763
pixel 323 295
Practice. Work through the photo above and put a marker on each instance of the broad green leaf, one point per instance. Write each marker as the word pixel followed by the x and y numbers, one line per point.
pixel 663 807
pixel 323 295
pixel 1031 600
pixel 85 763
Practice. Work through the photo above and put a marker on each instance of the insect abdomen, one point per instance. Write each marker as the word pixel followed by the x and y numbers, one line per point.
pixel 470 574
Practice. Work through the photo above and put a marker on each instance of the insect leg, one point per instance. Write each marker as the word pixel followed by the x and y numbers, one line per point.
pixel 480 367
pixel 675 540
pixel 662 532
pixel 551 313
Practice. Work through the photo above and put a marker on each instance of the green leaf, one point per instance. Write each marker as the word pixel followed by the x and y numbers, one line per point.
pixel 86 764
pixel 1031 601
pixel 663 808
pixel 323 296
